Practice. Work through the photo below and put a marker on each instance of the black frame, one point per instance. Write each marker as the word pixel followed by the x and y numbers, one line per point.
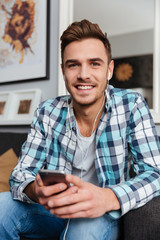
pixel 138 72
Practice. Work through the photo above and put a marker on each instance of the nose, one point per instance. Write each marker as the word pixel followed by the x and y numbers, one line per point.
pixel 84 72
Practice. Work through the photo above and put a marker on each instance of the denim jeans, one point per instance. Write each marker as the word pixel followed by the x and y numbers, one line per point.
pixel 33 221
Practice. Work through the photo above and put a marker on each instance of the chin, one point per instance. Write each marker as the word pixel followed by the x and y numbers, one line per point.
pixel 84 102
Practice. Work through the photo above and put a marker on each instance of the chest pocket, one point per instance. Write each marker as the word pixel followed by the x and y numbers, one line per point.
pixel 113 153
pixel 112 159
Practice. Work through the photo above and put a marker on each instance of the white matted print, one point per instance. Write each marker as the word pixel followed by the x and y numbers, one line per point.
pixel 3 104
pixel 20 106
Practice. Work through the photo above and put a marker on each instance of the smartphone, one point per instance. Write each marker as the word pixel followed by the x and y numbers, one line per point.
pixel 51 177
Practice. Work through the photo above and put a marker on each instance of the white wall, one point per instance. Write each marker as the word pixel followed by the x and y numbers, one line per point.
pixel 131 44
pixel 117 17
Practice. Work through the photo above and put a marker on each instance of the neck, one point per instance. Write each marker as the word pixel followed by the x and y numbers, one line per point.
pixel 88 117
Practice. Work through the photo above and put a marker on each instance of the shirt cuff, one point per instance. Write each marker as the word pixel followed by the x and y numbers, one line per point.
pixel 19 194
pixel 115 214
pixel 126 198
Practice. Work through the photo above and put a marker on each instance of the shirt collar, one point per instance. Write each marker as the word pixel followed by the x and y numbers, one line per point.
pixel 71 121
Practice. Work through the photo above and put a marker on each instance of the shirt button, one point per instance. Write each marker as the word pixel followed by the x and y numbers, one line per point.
pixel 73 143
pixel 68 164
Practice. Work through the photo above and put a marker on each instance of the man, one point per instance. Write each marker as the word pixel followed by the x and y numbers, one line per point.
pixel 93 135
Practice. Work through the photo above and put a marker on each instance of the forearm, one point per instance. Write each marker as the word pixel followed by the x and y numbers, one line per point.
pixel 112 198
pixel 30 191
pixel 137 191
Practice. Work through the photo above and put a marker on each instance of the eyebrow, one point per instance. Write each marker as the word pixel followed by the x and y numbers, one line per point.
pixel 96 60
pixel 76 60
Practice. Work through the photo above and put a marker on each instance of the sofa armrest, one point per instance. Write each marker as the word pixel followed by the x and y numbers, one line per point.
pixel 143 223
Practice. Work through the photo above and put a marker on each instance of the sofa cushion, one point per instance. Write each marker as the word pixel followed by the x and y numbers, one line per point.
pixel 8 161
pixel 11 140
pixel 143 223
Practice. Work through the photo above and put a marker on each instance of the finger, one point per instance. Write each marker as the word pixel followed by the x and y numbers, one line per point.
pixel 68 192
pixel 74 180
pixel 80 196
pixel 49 191
pixel 39 180
pixel 84 207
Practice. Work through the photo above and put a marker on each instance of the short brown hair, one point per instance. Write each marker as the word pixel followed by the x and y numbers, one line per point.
pixel 81 30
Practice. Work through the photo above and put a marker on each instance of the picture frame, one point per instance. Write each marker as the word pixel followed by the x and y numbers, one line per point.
pixel 4 96
pixel 17 107
pixel 135 72
pixel 24 48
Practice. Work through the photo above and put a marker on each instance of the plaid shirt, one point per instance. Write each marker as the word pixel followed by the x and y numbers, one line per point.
pixel 125 136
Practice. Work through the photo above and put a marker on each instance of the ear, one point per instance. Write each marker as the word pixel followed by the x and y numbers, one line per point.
pixel 63 71
pixel 110 70
pixel 62 68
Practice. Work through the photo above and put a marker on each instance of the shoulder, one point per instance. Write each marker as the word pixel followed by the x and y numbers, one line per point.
pixel 53 108
pixel 125 95
pixel 54 104
pixel 126 101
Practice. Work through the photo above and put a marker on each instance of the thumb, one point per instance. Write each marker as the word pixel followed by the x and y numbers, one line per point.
pixel 39 181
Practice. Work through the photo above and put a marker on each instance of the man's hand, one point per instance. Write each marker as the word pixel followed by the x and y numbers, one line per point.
pixel 87 201
pixel 37 192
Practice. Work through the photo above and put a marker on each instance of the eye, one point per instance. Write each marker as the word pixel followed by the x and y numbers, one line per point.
pixel 95 64
pixel 72 65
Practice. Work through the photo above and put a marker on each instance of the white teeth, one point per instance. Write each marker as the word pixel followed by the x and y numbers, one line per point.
pixel 84 87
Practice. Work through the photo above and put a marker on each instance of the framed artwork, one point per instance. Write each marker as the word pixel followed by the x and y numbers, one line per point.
pixel 17 108
pixel 24 40
pixel 133 72
pixel 3 104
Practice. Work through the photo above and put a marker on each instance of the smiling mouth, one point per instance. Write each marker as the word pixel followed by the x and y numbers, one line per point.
pixel 84 87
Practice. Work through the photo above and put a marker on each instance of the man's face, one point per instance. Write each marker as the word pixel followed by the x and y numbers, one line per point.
pixel 85 68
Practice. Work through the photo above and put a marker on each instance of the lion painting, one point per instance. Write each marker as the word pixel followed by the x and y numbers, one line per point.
pixel 20 25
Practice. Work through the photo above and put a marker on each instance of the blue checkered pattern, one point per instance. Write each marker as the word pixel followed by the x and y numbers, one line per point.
pixel 125 136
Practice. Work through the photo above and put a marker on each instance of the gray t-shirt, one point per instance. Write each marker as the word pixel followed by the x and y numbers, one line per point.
pixel 84 164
